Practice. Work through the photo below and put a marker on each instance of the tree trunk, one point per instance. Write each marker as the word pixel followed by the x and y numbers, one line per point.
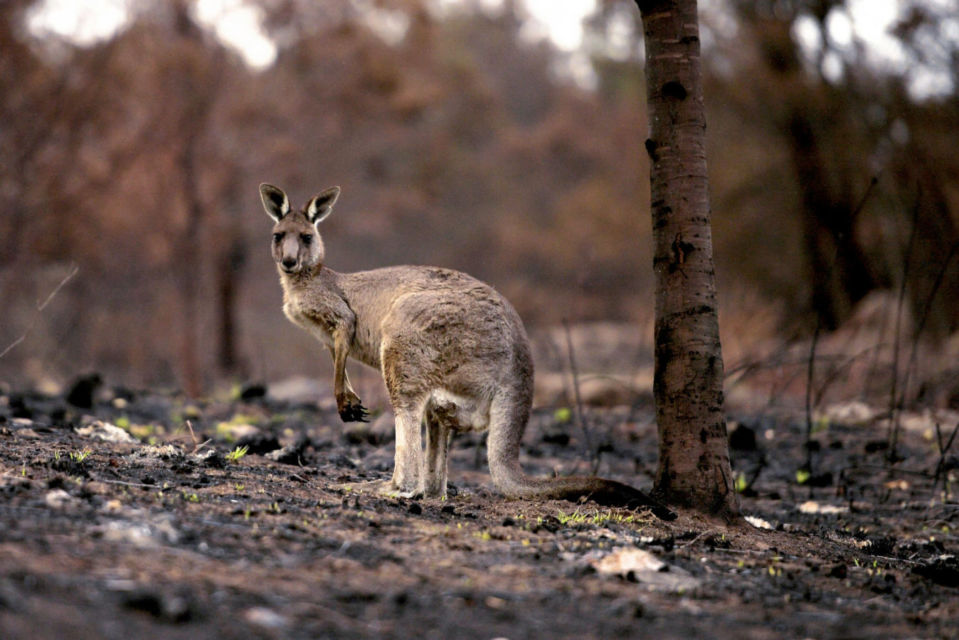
pixel 838 269
pixel 694 468
pixel 188 271
pixel 230 262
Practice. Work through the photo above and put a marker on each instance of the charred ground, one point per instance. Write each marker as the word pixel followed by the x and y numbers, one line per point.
pixel 168 532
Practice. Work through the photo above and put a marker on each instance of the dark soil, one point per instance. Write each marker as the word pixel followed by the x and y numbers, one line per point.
pixel 167 536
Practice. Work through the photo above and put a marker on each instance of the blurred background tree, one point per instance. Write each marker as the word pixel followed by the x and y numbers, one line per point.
pixel 462 141
pixel 801 125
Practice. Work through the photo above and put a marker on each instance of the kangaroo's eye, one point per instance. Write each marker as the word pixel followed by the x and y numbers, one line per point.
pixel 306 238
pixel 277 237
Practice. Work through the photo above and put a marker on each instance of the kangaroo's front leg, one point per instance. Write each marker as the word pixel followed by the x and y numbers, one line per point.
pixel 347 402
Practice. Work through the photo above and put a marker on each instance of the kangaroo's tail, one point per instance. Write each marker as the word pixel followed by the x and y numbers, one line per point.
pixel 509 414
pixel 574 488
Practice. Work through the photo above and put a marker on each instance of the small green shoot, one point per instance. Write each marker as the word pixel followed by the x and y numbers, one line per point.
pixel 563 415
pixel 237 454
pixel 599 518
pixel 740 484
pixel 78 457
pixel 576 518
pixel 802 476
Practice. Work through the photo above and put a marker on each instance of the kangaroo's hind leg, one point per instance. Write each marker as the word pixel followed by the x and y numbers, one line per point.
pixel 408 461
pixel 439 430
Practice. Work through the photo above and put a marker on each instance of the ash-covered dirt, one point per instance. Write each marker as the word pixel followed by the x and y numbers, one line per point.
pixel 134 516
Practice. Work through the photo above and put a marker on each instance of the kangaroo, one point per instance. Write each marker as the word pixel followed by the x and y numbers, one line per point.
pixel 452 351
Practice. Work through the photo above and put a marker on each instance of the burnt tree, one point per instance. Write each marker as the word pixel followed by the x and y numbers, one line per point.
pixel 694 469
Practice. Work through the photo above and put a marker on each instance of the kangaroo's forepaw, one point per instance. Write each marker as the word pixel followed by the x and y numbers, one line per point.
pixel 351 410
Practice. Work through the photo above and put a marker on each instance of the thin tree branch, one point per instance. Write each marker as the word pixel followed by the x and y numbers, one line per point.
pixel 894 403
pixel 40 307
pixel 809 385
pixel 580 414
pixel 943 450
pixel 926 312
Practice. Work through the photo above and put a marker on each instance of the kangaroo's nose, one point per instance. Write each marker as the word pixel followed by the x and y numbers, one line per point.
pixel 289 263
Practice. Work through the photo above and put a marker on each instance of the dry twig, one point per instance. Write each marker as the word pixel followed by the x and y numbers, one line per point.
pixel 580 414
pixel 895 404
pixel 943 450
pixel 40 307
pixel 196 444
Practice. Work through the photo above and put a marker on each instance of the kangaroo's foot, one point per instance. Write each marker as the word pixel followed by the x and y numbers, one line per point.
pixel 351 409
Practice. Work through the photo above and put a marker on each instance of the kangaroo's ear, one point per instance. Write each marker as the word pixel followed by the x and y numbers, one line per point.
pixel 274 201
pixel 321 205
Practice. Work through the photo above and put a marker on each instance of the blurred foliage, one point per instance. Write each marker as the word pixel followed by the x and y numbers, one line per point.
pixel 457 143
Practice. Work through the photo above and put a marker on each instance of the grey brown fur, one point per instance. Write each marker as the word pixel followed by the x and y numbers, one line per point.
pixel 453 353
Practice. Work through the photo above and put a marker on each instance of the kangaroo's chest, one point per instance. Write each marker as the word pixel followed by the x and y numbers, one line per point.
pixel 321 315
pixel 316 319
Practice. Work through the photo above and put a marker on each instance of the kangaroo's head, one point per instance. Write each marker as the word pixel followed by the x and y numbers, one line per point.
pixel 297 246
